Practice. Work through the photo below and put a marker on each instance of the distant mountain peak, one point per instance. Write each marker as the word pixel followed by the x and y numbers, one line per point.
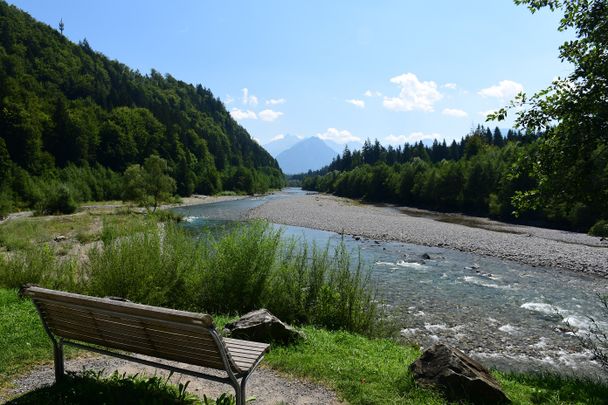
pixel 280 144
pixel 308 154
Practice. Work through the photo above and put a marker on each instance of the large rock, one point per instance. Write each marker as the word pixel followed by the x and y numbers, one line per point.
pixel 458 376
pixel 262 326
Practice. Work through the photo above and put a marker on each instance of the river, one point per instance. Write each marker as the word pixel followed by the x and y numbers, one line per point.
pixel 508 315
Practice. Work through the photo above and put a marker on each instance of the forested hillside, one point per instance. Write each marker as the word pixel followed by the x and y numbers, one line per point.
pixel 70 116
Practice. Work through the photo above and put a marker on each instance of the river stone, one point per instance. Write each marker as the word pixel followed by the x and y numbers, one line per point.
pixel 458 376
pixel 262 326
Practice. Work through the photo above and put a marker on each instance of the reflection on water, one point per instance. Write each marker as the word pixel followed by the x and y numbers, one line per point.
pixel 509 315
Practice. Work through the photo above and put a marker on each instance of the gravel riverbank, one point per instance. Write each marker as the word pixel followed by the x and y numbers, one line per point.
pixel 522 244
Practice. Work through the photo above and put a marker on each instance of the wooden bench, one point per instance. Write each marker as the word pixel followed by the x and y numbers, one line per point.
pixel 186 337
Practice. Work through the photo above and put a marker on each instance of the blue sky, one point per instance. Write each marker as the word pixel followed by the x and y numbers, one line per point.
pixel 342 70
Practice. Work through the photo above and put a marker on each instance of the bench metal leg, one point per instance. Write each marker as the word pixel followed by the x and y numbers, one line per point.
pixel 58 355
pixel 241 393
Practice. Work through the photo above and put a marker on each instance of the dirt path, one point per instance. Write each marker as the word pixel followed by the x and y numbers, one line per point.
pixel 266 385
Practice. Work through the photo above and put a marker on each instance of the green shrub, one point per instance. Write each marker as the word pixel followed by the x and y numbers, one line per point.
pixel 39 266
pixel 233 270
pixel 142 267
pixel 600 228
pixel 124 224
pixel 167 216
pixel 236 270
pixel 58 200
pixel 313 286
pixel 6 204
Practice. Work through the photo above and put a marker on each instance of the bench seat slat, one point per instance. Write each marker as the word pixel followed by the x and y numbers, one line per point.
pixel 117 339
pixel 188 359
pixel 137 341
pixel 246 344
pixel 244 364
pixel 160 328
pixel 244 353
pixel 143 332
pixel 67 308
pixel 123 307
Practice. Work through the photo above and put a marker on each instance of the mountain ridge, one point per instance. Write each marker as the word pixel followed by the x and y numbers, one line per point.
pixel 66 105
pixel 309 154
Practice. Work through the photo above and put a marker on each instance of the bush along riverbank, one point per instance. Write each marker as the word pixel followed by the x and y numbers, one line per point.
pixel 326 293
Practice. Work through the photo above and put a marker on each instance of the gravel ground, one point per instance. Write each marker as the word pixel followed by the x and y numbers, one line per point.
pixel 523 244
pixel 267 386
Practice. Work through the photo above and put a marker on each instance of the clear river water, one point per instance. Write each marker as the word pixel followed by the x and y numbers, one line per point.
pixel 508 315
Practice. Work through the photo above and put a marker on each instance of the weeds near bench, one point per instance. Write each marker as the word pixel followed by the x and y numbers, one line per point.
pixel 91 387
pixel 242 268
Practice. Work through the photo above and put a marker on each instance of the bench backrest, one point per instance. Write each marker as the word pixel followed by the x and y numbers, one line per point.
pixel 169 334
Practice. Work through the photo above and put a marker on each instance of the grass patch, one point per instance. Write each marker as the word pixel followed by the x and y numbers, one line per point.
pixel 374 371
pixel 37 265
pixel 552 389
pixel 108 203
pixel 228 194
pixel 124 222
pixel 84 227
pixel 22 233
pixel 91 388
pixel 362 370
pixel 22 338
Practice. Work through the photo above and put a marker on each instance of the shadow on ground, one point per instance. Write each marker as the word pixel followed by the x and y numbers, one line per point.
pixel 91 387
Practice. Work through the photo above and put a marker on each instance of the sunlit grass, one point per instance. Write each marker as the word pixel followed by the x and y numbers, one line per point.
pixel 362 370
pixel 21 233
pixel 22 338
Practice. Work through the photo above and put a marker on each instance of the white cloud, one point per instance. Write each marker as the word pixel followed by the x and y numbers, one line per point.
pixel 414 94
pixel 338 136
pixel 229 99
pixel 370 93
pixel 451 86
pixel 277 137
pixel 249 99
pixel 356 102
pixel 258 140
pixel 269 115
pixel 411 138
pixel 276 101
pixel 455 112
pixel 239 114
pixel 506 89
